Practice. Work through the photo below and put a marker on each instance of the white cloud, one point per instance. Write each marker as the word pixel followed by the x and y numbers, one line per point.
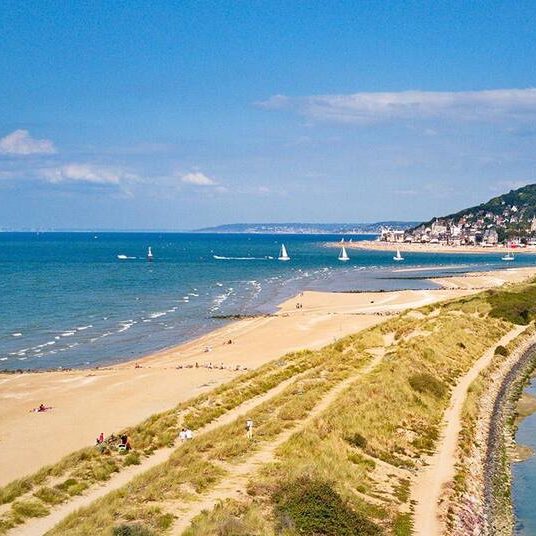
pixel 198 179
pixel 20 142
pixel 87 173
pixel 367 108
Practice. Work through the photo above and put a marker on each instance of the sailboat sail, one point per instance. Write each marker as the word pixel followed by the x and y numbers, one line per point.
pixel 149 254
pixel 398 257
pixel 283 255
pixel 343 256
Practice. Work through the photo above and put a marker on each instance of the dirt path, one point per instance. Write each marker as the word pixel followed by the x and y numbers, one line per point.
pixel 239 474
pixel 38 526
pixel 432 480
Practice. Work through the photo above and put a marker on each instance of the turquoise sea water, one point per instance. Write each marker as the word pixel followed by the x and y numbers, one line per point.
pixel 67 300
pixel 524 476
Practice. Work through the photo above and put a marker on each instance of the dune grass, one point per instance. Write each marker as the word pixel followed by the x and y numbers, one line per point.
pixel 368 442
pixel 195 466
pixel 78 471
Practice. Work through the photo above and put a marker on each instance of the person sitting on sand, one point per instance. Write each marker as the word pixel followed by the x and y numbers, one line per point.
pixel 189 434
pixel 41 408
pixel 100 439
pixel 182 434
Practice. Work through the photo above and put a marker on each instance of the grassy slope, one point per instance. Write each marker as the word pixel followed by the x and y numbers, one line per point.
pixel 32 496
pixel 356 458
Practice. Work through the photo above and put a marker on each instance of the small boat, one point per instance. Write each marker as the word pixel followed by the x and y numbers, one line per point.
pixel 283 255
pixel 149 254
pixel 122 257
pixel 343 256
pixel 398 257
pixel 508 257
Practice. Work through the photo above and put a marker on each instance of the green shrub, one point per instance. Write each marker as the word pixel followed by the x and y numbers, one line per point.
pixel 357 440
pixel 518 307
pixel 72 487
pixel 134 529
pixel 402 525
pixel 501 350
pixel 14 489
pixel 132 458
pixel 310 506
pixel 30 508
pixel 50 495
pixel 426 383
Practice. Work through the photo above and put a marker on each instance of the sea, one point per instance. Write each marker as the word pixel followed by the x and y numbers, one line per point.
pixel 67 300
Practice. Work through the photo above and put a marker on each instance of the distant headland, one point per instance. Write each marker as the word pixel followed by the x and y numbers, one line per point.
pixel 309 228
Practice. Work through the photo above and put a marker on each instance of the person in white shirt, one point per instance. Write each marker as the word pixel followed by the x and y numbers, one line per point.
pixel 182 434
pixel 189 434
pixel 249 429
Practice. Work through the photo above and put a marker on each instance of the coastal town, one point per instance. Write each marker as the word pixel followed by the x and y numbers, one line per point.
pixel 507 220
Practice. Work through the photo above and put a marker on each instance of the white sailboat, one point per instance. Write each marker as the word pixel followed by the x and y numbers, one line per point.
pixel 283 255
pixel 343 256
pixel 508 257
pixel 398 257
pixel 149 254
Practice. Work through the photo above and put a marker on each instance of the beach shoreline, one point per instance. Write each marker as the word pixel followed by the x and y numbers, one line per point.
pixel 374 245
pixel 89 401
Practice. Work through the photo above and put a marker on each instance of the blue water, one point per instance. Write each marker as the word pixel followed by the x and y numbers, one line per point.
pixel 524 476
pixel 67 301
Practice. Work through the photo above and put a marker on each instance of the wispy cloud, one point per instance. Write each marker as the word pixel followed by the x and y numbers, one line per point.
pixel 198 179
pixel 87 173
pixel 368 108
pixel 20 142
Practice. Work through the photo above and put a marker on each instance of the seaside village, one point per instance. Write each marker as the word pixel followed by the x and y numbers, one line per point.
pixel 483 231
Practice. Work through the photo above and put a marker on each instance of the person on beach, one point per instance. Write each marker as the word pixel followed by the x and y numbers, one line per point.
pixel 40 409
pixel 182 435
pixel 189 434
pixel 100 439
pixel 249 429
pixel 125 443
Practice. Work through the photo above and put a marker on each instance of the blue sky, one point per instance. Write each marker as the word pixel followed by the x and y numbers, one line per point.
pixel 177 115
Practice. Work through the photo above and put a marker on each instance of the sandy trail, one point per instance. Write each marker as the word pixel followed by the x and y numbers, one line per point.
pixel 235 483
pixel 38 526
pixel 430 482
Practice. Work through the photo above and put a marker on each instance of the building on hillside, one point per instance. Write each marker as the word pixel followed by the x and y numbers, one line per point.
pixel 490 237
pixel 391 235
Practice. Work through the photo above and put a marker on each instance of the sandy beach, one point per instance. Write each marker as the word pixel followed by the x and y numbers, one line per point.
pixel 87 402
pixel 375 245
